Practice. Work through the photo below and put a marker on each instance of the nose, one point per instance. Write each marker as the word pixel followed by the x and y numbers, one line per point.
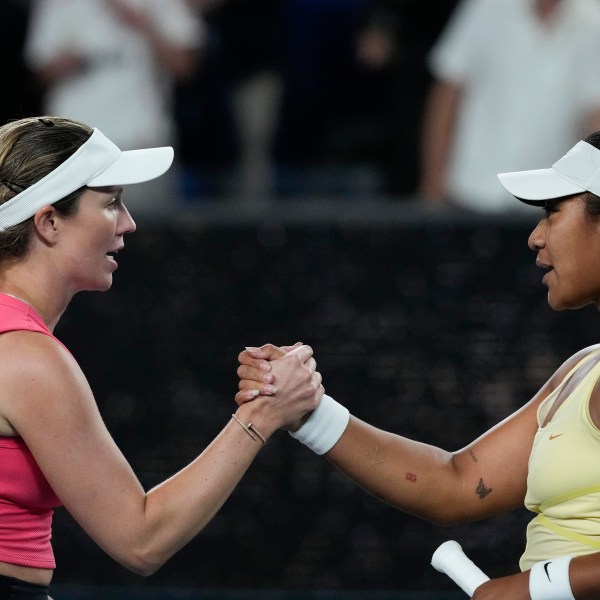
pixel 126 224
pixel 536 239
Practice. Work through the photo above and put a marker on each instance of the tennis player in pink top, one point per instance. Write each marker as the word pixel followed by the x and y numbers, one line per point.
pixel 62 222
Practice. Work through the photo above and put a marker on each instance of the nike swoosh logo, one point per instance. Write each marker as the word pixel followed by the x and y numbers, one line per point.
pixel 546 570
pixel 553 436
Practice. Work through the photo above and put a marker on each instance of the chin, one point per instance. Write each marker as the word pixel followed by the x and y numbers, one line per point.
pixel 99 286
pixel 106 287
pixel 566 304
pixel 556 303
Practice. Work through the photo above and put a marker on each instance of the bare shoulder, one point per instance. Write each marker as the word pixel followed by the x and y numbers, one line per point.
pixel 569 364
pixel 594 401
pixel 514 436
pixel 30 358
pixel 37 375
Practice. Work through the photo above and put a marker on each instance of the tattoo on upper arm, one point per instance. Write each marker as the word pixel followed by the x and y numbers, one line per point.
pixel 482 490
pixel 475 459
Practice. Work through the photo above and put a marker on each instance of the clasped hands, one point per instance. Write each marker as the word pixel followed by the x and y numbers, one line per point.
pixel 286 376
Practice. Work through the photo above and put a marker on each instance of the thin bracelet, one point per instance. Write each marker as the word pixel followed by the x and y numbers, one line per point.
pixel 251 431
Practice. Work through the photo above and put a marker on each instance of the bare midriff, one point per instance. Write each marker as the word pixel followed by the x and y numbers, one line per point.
pixel 30 574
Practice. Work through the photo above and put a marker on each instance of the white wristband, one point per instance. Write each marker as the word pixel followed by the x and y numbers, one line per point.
pixel 324 427
pixel 549 580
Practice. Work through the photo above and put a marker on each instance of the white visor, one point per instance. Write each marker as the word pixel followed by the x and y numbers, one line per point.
pixel 97 163
pixel 576 172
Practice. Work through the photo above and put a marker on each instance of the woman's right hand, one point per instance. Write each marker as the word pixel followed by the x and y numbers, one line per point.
pixel 284 380
pixel 255 371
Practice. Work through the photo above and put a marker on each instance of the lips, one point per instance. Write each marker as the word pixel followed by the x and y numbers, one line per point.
pixel 547 268
pixel 542 265
pixel 113 253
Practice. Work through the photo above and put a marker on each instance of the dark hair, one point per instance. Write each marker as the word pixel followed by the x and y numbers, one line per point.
pixel 592 202
pixel 31 148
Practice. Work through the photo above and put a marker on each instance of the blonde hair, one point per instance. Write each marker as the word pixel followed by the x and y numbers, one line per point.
pixel 31 148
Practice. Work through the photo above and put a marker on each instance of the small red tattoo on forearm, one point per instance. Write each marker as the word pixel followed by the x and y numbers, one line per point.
pixel 411 477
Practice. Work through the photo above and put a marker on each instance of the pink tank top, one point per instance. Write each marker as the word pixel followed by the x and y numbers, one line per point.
pixel 26 498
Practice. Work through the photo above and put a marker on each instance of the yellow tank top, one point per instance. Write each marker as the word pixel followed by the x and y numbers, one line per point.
pixel 563 484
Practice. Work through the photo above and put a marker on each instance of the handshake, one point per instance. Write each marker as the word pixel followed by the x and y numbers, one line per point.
pixel 283 390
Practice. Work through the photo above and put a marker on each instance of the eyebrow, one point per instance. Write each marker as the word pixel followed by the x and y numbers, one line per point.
pixel 112 190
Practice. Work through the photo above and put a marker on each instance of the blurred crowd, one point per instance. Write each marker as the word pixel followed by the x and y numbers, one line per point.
pixel 291 98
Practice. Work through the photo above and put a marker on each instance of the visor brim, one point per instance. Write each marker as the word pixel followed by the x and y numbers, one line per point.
pixel 537 186
pixel 135 166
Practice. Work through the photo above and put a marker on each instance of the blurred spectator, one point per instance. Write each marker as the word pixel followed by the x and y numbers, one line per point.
pixel 318 61
pixel 354 83
pixel 277 84
pixel 113 64
pixel 517 81
pixel 232 102
pixel 393 80
pixel 19 96
pixel 299 97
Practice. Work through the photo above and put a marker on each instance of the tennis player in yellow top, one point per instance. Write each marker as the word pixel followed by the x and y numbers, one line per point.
pixel 546 454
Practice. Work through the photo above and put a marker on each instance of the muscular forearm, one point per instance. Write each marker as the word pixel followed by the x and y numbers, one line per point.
pixel 147 529
pixel 178 509
pixel 440 486
pixel 417 478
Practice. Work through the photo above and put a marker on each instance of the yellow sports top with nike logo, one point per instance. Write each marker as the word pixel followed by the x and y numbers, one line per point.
pixel 563 484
